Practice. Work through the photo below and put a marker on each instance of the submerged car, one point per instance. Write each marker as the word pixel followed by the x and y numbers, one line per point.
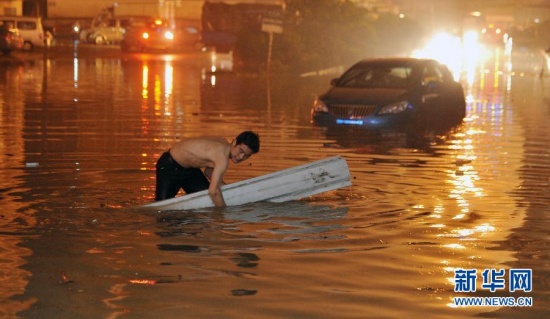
pixel 391 93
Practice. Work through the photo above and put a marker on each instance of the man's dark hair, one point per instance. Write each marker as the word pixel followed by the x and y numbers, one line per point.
pixel 250 139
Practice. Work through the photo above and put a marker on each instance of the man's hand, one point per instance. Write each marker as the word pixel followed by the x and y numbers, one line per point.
pixel 216 176
pixel 217 197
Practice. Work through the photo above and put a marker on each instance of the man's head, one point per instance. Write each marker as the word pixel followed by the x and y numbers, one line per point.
pixel 246 144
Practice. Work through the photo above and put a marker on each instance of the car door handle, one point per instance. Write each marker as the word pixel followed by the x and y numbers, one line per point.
pixel 429 96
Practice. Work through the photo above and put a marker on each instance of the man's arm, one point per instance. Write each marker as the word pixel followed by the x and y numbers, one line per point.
pixel 216 177
pixel 208 173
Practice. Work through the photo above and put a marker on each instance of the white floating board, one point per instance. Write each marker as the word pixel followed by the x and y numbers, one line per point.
pixel 281 186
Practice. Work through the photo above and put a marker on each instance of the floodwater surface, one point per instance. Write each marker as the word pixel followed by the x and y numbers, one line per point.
pixel 79 138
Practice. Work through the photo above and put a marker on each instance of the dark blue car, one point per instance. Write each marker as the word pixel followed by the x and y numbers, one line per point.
pixel 391 93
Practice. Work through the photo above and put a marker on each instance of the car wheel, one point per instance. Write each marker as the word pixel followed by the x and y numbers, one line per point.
pixel 27 46
pixel 99 39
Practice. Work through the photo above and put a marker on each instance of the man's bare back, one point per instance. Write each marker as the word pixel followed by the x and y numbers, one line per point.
pixel 211 153
pixel 201 152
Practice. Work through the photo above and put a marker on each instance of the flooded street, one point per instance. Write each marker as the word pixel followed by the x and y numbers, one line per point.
pixel 80 136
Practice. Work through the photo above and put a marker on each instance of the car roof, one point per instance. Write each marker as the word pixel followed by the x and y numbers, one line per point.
pixel 395 61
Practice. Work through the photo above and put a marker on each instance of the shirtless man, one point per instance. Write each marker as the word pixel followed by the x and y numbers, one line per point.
pixel 180 167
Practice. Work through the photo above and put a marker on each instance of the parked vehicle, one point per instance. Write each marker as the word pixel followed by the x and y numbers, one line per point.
pixel 10 40
pixel 157 34
pixel 391 92
pixel 148 34
pixel 108 31
pixel 30 28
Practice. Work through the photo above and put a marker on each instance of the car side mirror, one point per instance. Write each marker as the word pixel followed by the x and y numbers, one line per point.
pixel 432 86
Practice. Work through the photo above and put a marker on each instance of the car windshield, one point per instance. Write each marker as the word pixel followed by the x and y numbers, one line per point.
pixel 376 76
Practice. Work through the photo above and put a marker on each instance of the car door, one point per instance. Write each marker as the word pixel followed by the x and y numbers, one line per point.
pixel 122 24
pixel 437 91
pixel 111 30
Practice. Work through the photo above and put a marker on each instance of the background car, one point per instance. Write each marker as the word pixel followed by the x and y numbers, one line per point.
pixel 391 93
pixel 108 31
pixel 148 34
pixel 10 40
pixel 30 28
pixel 157 34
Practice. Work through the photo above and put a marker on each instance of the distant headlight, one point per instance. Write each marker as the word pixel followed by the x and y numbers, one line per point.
pixel 169 35
pixel 145 35
pixel 319 106
pixel 394 108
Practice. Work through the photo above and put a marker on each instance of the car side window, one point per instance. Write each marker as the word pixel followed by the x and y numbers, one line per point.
pixel 431 75
pixel 10 24
pixel 26 25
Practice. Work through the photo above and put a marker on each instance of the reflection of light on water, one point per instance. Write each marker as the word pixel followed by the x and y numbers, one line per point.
pixel 468 233
pixel 163 86
pixel 497 71
pixel 459 216
pixel 168 79
pixel 487 79
pixel 145 81
pixel 157 92
pixel 213 62
pixel 13 257
pixel 75 72
pixel 205 76
pixel 438 211
pixel 168 85
pixel 118 293
pixel 221 62
pixel 455 246
pixel 143 281
pixel 464 232
pixel 144 162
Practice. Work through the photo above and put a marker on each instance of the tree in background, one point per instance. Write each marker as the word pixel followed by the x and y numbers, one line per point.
pixel 320 34
pixel 317 34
